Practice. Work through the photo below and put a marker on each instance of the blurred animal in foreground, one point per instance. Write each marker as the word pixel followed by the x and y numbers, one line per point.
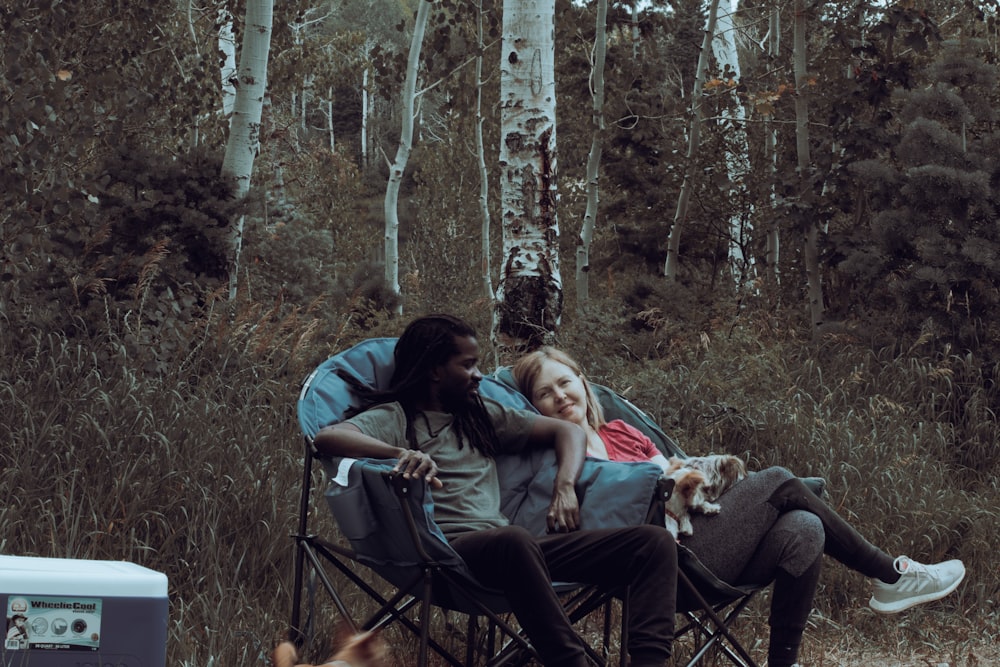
pixel 365 649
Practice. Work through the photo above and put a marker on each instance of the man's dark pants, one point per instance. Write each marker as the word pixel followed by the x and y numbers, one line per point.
pixel 523 567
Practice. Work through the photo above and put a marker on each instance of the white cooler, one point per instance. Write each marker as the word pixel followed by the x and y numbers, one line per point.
pixel 82 613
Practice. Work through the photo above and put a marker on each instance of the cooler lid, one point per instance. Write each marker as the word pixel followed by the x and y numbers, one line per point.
pixel 70 576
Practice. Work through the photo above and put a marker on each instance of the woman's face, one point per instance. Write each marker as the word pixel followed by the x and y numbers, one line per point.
pixel 559 392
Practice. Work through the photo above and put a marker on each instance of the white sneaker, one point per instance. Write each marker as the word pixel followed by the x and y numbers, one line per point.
pixel 918 583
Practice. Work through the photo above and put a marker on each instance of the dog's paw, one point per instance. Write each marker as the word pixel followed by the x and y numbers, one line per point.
pixel 711 508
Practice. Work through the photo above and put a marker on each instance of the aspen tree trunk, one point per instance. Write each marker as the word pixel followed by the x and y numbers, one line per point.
pixel 364 118
pixel 694 140
pixel 635 29
pixel 593 160
pixel 227 47
pixel 243 144
pixel 773 249
pixel 811 247
pixel 402 154
pixel 484 186
pixel 529 294
pixel 329 118
pixel 736 146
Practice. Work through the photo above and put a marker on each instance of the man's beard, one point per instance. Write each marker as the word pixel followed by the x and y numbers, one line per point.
pixel 462 402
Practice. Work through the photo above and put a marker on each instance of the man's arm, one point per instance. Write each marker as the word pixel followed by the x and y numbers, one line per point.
pixel 570 443
pixel 347 440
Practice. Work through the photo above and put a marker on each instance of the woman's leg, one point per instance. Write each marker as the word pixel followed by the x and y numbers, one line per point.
pixel 843 542
pixel 900 583
pixel 726 542
pixel 791 554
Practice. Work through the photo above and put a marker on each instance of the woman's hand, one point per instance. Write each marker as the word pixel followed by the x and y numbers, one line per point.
pixel 564 512
pixel 414 464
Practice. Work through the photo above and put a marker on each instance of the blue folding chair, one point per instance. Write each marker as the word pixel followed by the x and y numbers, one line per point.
pixel 390 531
pixel 710 606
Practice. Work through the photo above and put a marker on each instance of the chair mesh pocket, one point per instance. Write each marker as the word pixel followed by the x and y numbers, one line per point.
pixel 353 513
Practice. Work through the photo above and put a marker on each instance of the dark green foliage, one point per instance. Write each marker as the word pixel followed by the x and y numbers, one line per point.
pixel 933 254
pixel 158 232
pixel 182 205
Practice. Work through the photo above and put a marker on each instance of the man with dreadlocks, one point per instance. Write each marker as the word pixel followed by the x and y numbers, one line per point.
pixel 434 422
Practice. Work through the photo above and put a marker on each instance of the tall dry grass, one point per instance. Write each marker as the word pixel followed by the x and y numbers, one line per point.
pixel 907 443
pixel 193 468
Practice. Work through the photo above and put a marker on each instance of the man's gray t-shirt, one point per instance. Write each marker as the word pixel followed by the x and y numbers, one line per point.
pixel 470 497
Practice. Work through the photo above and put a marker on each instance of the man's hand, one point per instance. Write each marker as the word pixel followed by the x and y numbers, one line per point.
pixel 414 464
pixel 564 512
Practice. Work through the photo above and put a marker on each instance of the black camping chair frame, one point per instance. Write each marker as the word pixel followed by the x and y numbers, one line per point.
pixel 314 556
pixel 710 607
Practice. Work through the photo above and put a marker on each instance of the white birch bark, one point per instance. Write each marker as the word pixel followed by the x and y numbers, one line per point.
pixel 243 144
pixel 398 166
pixel 329 118
pixel 694 140
pixel 635 29
pixel 737 148
pixel 529 294
pixel 227 46
pixel 593 160
pixel 364 118
pixel 773 248
pixel 484 186
pixel 811 242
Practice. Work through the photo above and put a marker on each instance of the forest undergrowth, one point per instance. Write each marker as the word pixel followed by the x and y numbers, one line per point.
pixel 192 467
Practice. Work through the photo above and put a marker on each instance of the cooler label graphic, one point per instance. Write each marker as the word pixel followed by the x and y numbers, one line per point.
pixel 44 623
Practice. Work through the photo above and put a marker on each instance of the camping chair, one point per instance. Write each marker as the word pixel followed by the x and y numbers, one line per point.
pixel 710 606
pixel 395 544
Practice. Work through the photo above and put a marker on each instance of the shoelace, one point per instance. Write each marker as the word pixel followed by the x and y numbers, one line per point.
pixel 912 567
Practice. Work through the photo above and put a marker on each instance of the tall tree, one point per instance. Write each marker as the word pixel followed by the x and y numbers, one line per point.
pixel 243 145
pixel 931 260
pixel 227 48
pixel 694 140
pixel 529 294
pixel 733 127
pixel 810 252
pixel 408 103
pixel 593 159
pixel 484 185
pixel 773 244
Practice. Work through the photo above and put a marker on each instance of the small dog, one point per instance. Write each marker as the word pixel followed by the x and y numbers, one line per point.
pixel 698 483
pixel 362 650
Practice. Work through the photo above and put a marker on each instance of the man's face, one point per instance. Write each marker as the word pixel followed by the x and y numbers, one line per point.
pixel 457 380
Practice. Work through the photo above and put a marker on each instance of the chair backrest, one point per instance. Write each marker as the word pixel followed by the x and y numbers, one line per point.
pixel 615 406
pixel 327 398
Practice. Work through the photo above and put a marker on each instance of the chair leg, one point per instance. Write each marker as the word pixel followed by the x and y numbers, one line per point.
pixel 295 634
pixel 719 628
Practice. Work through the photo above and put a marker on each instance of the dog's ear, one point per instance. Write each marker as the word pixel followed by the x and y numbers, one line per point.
pixel 735 468
pixel 284 655
pixel 688 484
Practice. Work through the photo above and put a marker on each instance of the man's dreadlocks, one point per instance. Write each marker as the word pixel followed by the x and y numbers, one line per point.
pixel 429 342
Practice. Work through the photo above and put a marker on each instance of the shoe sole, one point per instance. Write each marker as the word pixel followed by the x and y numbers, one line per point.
pixel 895 608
